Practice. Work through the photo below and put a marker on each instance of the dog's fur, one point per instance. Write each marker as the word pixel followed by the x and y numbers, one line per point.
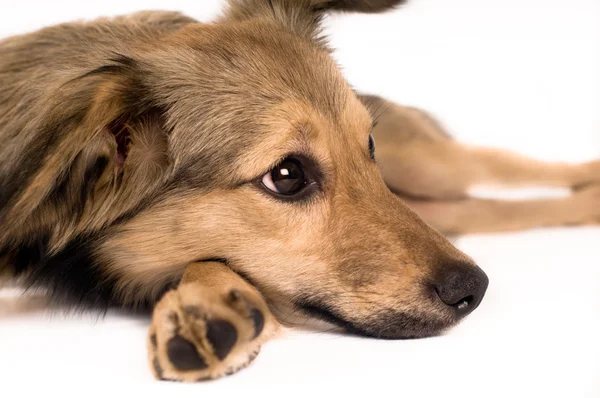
pixel 132 157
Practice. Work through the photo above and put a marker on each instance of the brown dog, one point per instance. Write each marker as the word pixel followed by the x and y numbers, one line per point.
pixel 233 161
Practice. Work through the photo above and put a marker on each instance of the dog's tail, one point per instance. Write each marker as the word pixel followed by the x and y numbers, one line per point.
pixel 367 6
pixel 245 8
pixel 303 16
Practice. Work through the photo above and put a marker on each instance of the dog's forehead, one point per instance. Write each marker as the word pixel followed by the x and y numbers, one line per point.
pixel 256 63
pixel 297 127
pixel 256 88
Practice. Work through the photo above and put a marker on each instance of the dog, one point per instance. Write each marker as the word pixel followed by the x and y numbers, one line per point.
pixel 226 177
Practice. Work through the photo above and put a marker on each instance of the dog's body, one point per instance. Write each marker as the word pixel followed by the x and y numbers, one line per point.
pixel 232 159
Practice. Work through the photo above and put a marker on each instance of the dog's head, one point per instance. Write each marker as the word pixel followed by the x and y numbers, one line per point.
pixel 240 140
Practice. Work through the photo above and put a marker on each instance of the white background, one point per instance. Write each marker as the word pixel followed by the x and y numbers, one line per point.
pixel 518 74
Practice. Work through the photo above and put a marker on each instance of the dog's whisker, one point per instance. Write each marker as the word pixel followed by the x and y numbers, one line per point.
pixel 377 116
pixel 381 101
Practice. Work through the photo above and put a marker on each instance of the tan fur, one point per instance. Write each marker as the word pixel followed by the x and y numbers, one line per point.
pixel 208 292
pixel 485 215
pixel 134 153
pixel 435 174
pixel 57 95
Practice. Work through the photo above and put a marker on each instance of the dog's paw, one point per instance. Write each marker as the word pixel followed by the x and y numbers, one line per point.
pixel 200 334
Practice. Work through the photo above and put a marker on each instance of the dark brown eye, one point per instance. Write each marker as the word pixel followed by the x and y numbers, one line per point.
pixel 371 146
pixel 287 178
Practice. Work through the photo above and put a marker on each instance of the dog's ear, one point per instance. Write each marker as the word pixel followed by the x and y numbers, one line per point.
pixel 103 147
pixel 128 132
pixel 303 16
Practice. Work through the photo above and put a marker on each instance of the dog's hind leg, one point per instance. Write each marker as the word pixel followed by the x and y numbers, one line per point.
pixel 420 159
pixel 212 325
pixel 434 175
pixel 448 169
pixel 472 215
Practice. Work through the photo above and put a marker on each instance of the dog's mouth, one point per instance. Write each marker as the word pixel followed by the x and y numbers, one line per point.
pixel 386 324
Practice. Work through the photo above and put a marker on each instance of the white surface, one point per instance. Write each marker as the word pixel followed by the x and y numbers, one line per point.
pixel 519 74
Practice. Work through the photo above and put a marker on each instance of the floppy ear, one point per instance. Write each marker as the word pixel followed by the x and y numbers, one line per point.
pixel 303 16
pixel 127 154
pixel 105 149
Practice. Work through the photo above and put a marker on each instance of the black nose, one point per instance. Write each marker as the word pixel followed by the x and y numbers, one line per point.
pixel 461 286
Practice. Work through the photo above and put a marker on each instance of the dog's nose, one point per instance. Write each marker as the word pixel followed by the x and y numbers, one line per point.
pixel 461 286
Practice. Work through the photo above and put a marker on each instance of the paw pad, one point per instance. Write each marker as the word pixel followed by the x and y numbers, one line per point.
pixel 194 340
pixel 183 354
pixel 259 321
pixel 222 335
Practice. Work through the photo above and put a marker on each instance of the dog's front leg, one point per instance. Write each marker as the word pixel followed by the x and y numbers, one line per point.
pixel 212 325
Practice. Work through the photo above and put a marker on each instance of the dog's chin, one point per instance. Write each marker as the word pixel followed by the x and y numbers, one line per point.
pixel 386 324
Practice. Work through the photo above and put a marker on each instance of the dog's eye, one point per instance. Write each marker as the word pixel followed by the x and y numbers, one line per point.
pixel 287 178
pixel 371 146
